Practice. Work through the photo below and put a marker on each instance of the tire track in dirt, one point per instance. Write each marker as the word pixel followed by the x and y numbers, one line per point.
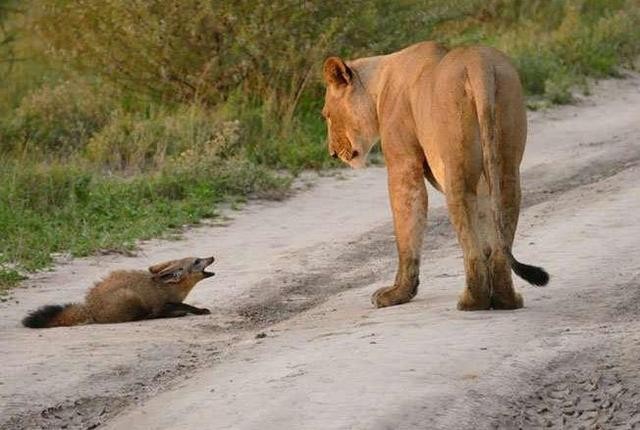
pixel 596 395
pixel 424 365
pixel 596 386
pixel 89 412
pixel 361 263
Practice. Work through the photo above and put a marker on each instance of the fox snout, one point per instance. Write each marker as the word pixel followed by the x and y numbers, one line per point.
pixel 205 263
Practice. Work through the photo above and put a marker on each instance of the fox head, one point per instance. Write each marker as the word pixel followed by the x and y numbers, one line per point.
pixel 187 271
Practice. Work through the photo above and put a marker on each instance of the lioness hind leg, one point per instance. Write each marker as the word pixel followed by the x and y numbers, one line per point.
pixel 463 211
pixel 504 295
pixel 475 295
pixel 456 130
pixel 511 124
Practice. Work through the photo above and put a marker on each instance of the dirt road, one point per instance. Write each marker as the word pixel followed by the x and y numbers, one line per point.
pixel 301 273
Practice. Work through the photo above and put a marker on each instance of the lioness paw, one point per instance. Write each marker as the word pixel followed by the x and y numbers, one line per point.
pixel 470 302
pixel 513 301
pixel 391 296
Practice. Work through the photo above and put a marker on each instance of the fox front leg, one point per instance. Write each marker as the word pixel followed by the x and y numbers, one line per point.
pixel 190 309
pixel 175 310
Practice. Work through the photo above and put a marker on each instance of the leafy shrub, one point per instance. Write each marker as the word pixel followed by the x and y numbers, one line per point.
pixel 7 36
pixel 57 120
pixel 189 50
pixel 42 187
pixel 134 142
pixel 554 44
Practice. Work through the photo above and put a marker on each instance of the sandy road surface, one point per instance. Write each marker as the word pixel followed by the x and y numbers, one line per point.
pixel 302 270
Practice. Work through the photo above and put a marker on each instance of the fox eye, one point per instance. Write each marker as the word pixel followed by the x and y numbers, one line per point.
pixel 198 261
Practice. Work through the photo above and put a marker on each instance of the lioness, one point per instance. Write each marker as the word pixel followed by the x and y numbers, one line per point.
pixel 458 119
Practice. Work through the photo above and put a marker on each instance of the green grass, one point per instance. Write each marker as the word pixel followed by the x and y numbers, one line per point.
pixel 47 209
pixel 301 146
pixel 9 278
pixel 94 158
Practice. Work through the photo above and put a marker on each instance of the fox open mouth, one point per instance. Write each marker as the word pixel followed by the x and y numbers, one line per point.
pixel 206 273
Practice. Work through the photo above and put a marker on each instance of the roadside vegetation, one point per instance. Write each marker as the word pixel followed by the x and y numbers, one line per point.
pixel 125 120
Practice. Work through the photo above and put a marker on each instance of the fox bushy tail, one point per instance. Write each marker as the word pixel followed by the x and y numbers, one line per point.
pixel 57 316
pixel 483 84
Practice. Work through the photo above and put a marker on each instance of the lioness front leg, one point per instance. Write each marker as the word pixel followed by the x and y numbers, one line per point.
pixel 408 196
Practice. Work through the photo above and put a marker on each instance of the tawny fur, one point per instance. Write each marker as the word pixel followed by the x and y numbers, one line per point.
pixel 457 118
pixel 130 295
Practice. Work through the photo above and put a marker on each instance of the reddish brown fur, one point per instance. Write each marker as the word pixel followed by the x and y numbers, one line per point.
pixel 71 315
pixel 129 295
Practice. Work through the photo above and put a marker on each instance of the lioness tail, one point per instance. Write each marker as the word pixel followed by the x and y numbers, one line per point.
pixel 532 274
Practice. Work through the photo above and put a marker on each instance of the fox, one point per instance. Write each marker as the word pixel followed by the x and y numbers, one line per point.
pixel 131 295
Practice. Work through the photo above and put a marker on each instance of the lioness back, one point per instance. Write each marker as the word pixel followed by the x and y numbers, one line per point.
pixel 472 78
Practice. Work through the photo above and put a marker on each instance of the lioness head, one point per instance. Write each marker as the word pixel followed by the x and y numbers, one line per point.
pixel 350 113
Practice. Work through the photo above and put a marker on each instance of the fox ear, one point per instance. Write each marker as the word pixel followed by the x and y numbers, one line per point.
pixel 336 72
pixel 157 268
pixel 170 275
pixel 166 273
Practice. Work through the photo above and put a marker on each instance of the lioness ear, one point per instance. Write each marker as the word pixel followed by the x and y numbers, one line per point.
pixel 336 72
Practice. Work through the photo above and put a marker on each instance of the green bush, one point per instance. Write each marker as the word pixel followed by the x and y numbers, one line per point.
pixel 56 120
pixel 7 37
pixel 132 142
pixel 191 50
pixel 554 44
